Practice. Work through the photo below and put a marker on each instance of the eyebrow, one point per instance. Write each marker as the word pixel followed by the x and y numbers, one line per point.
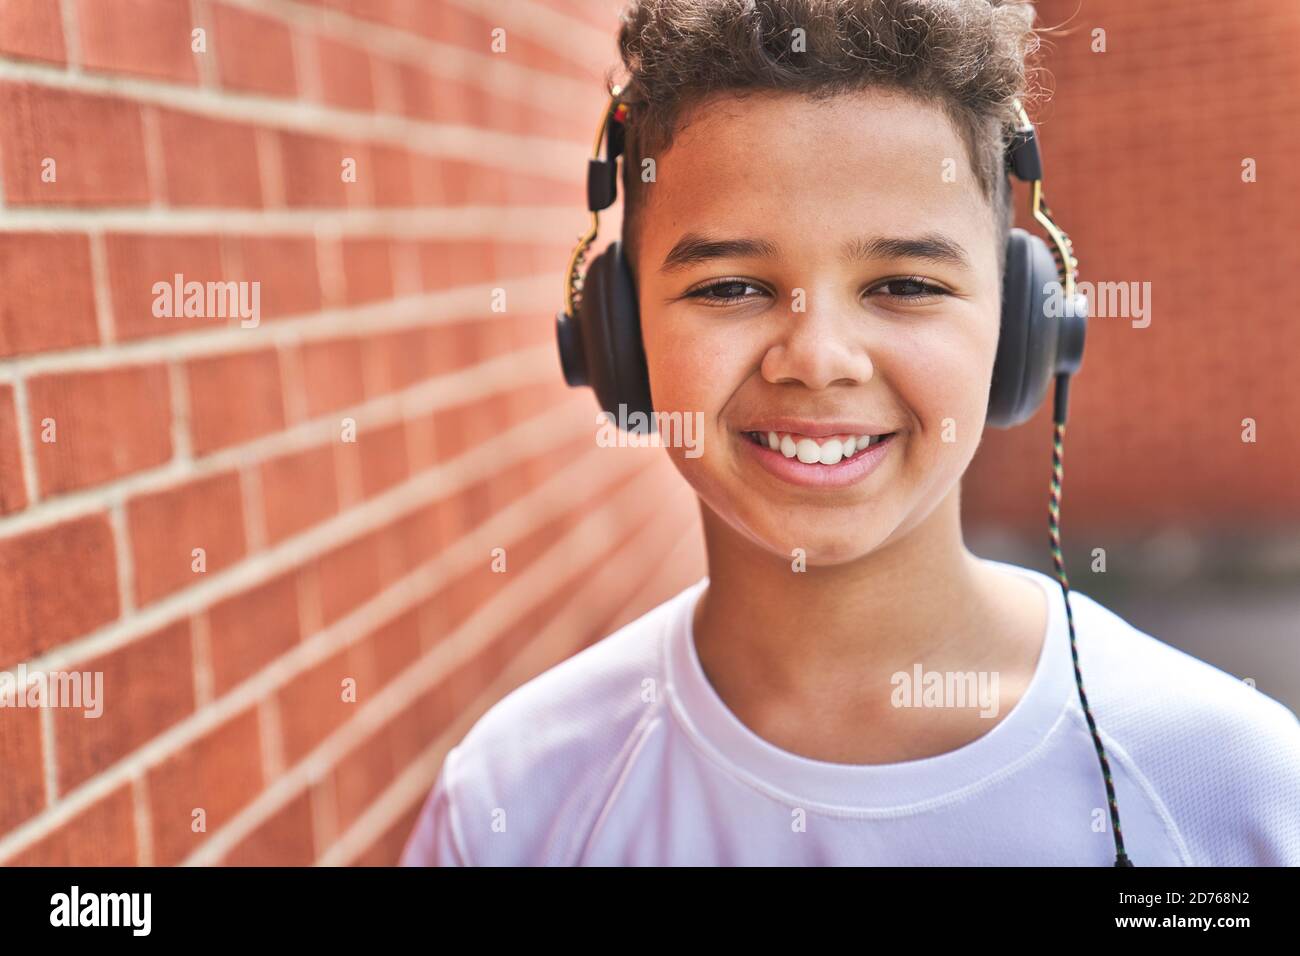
pixel 694 248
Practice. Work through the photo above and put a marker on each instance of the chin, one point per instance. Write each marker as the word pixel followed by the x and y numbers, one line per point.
pixel 826 539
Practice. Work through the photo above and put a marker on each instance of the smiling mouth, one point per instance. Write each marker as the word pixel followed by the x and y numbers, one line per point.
pixel 831 450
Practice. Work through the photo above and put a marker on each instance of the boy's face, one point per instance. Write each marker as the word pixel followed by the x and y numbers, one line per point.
pixel 867 302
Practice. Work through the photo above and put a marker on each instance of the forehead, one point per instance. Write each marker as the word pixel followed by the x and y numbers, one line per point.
pixel 773 163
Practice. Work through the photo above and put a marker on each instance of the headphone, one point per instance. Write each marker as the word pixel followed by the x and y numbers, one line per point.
pixel 599 335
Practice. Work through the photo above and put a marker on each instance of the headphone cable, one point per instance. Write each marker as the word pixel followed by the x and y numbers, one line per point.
pixel 1053 524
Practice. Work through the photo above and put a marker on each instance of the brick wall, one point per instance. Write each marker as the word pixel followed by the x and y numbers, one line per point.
pixel 129 441
pixel 1144 146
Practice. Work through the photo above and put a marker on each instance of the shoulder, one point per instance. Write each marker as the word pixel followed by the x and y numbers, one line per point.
pixel 531 771
pixel 1220 756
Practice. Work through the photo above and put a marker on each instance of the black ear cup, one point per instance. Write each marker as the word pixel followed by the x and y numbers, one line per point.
pixel 1029 342
pixel 601 346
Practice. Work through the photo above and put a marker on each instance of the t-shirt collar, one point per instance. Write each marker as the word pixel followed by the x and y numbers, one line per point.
pixel 877 788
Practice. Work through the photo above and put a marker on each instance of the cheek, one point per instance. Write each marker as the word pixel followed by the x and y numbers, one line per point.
pixel 690 367
pixel 695 368
pixel 943 376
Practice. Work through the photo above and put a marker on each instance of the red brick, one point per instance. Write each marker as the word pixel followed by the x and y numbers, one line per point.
pixel 368 268
pixel 13 493
pixel 137 262
pixel 526 119
pixel 391 172
pixel 149 37
pixel 101 835
pixel 312 705
pixel 106 424
pixel 469 30
pixel 20 755
pixel 350 575
pixel 584 9
pixel 462 511
pixel 441 99
pixel 392 12
pixel 468 182
pixel 383 458
pixel 417 537
pixel 39 570
pixel 427 188
pixel 446 264
pixel 248 631
pixel 454 346
pixel 360 777
pixel 209 162
pixel 287 270
pixel 476 340
pixel 71 128
pixel 407 735
pixel 234 398
pixel 446 700
pixel 422 440
pixel 286 839
pixel 345 75
pixel 387 850
pixel 312 170
pixel 167 526
pixel 528 401
pixel 148 686
pixel 466 426
pixel 476 586
pixel 528 331
pixel 508 486
pixel 417 86
pixel 332 374
pixel 512 115
pixel 399 359
pixel 49 301
pixel 32 29
pixel 253 52
pixel 518 260
pixel 395 646
pixel 299 491
pixel 220 773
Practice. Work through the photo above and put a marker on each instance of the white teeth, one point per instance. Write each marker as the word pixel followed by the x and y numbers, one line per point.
pixel 809 451
pixel 829 451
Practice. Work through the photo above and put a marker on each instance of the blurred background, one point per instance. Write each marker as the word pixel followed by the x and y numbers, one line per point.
pixel 270 522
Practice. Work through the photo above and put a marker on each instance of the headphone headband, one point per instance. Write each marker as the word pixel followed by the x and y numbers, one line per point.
pixel 602 188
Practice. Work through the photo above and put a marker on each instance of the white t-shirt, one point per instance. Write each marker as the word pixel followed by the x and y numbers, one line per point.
pixel 625 755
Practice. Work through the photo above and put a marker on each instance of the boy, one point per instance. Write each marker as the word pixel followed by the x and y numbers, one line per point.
pixel 810 280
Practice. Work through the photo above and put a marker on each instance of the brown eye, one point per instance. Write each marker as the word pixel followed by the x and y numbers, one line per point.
pixel 911 287
pixel 724 292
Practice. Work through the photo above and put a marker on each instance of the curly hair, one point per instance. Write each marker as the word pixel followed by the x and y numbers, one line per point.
pixel 967 56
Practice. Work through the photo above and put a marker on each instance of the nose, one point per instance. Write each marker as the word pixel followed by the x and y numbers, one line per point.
pixel 819 348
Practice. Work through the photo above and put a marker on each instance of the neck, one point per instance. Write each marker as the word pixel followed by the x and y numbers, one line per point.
pixel 771 632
